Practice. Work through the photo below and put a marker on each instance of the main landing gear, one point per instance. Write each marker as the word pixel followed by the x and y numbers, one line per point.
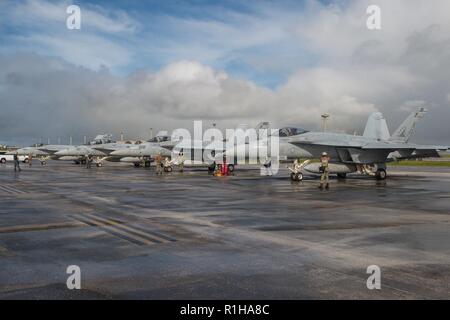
pixel 378 170
pixel 380 174
pixel 342 176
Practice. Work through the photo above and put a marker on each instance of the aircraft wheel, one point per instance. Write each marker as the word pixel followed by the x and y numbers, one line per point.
pixel 99 164
pixel 83 162
pixel 168 169
pixel 136 164
pixel 77 162
pixel 44 163
pixel 342 175
pixel 296 176
pixel 380 174
pixel 147 164
pixel 26 160
pixel 3 160
pixel 230 167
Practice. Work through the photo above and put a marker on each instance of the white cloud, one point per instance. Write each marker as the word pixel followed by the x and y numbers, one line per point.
pixel 77 99
pixel 86 50
pixel 45 14
pixel 43 30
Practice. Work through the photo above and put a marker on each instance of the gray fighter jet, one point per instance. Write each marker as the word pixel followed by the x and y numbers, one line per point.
pixel 78 153
pixel 44 152
pixel 143 154
pixel 366 154
pixel 104 148
pixel 64 152
pixel 195 153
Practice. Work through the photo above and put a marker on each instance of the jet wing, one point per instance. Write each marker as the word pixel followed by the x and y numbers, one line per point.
pixel 380 145
pixel 329 143
pixel 359 151
pixel 401 146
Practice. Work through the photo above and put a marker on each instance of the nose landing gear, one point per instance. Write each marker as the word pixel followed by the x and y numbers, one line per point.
pixel 296 176
pixel 296 170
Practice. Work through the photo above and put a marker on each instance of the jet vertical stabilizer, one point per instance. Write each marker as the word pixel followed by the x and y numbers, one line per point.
pixel 376 127
pixel 406 129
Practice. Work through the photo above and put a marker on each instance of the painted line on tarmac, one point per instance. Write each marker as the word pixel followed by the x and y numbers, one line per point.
pixel 109 230
pixel 39 227
pixel 129 229
pixel 11 190
pixel 120 230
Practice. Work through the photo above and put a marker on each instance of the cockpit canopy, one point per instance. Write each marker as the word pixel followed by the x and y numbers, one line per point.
pixel 290 131
pixel 37 145
pixel 159 139
pixel 102 139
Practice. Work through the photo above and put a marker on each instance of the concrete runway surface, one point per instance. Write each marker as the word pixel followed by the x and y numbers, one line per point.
pixel 188 235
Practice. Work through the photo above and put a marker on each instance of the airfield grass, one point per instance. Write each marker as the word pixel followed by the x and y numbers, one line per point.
pixel 420 163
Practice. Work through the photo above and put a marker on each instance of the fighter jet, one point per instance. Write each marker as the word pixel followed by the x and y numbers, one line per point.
pixel 104 148
pixel 34 151
pixel 196 153
pixel 44 152
pixel 366 154
pixel 142 154
pixel 79 153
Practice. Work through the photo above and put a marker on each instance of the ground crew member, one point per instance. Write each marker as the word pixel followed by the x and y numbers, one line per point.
pixel 324 160
pixel 88 161
pixel 158 162
pixel 181 160
pixel 16 162
pixel 268 166
pixel 30 159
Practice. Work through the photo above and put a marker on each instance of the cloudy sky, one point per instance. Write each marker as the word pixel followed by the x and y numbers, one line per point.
pixel 138 64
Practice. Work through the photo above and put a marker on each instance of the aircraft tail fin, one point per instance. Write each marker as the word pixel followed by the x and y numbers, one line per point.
pixel 376 127
pixel 407 128
pixel 262 125
pixel 265 125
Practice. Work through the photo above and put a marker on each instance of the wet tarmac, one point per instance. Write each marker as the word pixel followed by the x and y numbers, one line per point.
pixel 136 235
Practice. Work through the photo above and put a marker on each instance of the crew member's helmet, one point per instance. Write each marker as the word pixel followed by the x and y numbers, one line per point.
pixel 324 154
